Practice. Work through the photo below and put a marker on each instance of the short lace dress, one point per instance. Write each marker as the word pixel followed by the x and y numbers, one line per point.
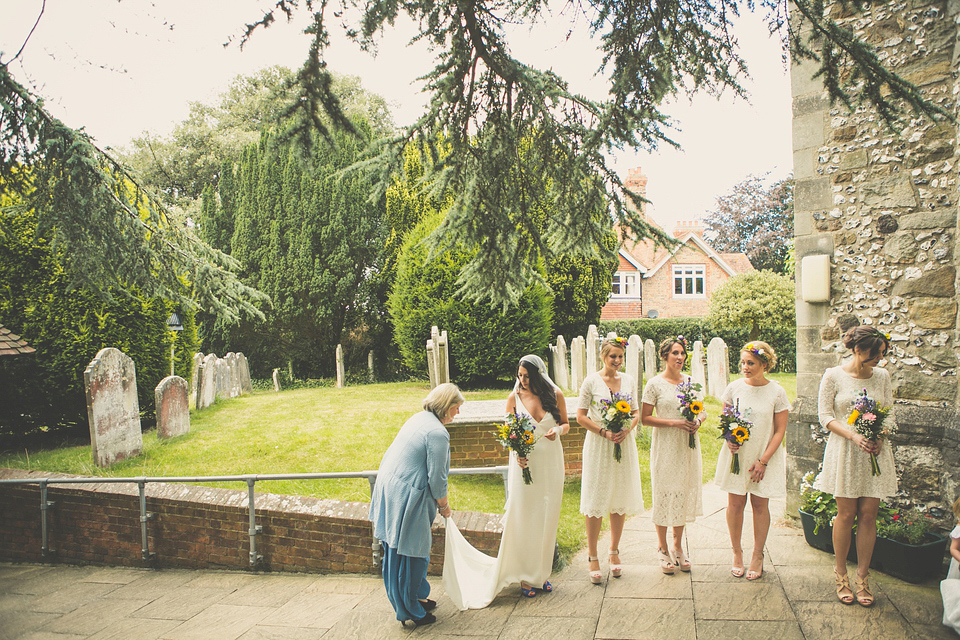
pixel 846 469
pixel 608 486
pixel 950 591
pixel 675 468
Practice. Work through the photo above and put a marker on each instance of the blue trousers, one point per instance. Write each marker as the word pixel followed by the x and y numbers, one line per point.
pixel 405 579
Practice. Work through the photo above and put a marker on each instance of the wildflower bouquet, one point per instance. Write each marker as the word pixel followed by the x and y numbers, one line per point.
pixel 690 405
pixel 516 433
pixel 867 419
pixel 616 413
pixel 735 428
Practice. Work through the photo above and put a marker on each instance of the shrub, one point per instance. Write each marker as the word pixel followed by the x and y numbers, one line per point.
pixel 486 341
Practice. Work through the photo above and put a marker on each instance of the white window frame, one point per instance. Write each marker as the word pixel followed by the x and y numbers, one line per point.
pixel 626 284
pixel 689 274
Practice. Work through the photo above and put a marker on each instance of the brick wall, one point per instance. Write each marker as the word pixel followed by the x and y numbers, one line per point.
pixel 472 445
pixel 201 527
pixel 658 289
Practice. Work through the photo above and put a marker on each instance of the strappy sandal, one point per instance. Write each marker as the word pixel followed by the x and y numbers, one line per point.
pixel 843 582
pixel 756 575
pixel 547 587
pixel 595 576
pixel 666 563
pixel 616 570
pixel 866 600
pixel 528 592
pixel 680 561
pixel 737 571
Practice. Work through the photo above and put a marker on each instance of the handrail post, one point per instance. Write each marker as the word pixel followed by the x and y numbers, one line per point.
pixel 145 552
pixel 254 528
pixel 45 550
pixel 375 545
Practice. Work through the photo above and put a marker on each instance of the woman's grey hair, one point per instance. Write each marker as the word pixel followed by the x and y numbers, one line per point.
pixel 441 398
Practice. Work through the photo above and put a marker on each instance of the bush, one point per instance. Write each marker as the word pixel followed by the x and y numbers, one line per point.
pixel 782 339
pixel 486 341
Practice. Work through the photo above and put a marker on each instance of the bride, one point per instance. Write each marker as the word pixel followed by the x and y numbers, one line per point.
pixel 473 579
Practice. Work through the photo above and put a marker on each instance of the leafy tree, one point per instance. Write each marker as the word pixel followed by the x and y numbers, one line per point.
pixel 758 300
pixel 512 133
pixel 756 220
pixel 486 340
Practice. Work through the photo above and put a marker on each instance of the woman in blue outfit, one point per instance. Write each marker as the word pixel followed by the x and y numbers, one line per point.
pixel 411 487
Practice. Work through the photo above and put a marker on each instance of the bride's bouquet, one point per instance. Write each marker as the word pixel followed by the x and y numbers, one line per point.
pixel 517 433
pixel 867 419
pixel 616 413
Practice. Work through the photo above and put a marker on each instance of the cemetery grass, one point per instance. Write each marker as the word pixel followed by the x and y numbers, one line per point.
pixel 329 430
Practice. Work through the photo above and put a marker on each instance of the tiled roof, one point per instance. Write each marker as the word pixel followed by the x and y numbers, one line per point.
pixel 11 344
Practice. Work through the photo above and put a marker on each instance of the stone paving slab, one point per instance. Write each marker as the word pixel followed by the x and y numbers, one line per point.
pixel 793 600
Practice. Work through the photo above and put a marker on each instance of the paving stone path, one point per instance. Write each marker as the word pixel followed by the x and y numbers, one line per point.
pixel 794 600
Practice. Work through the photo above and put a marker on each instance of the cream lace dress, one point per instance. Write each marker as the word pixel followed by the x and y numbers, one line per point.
pixel 846 468
pixel 675 474
pixel 760 404
pixel 950 590
pixel 608 486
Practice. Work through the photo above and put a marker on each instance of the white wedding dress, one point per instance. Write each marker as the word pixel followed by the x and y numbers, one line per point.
pixel 473 579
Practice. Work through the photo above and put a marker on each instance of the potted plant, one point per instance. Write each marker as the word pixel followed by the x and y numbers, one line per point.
pixel 817 511
pixel 907 548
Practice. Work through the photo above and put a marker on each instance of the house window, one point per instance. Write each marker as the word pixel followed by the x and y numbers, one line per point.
pixel 625 284
pixel 688 281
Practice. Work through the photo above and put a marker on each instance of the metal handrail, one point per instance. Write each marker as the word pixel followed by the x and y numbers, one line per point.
pixel 249 479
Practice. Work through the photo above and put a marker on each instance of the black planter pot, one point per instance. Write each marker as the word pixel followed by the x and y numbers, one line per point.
pixel 911 562
pixel 823 539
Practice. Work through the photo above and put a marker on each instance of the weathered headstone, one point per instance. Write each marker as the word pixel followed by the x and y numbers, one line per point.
pixel 443 358
pixel 593 363
pixel 223 378
pixel 233 375
pixel 718 367
pixel 431 363
pixel 208 388
pixel 370 373
pixel 173 409
pixel 113 409
pixel 635 366
pixel 276 379
pixel 578 362
pixel 561 369
pixel 649 358
pixel 246 384
pixel 195 376
pixel 341 375
pixel 697 371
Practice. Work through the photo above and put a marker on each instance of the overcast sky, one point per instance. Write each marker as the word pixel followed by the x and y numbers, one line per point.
pixel 120 68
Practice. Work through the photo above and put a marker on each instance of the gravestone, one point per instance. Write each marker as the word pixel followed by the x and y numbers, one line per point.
pixel 592 351
pixel 578 362
pixel 697 371
pixel 718 367
pixel 222 370
pixel 438 357
pixel 195 376
pixel 370 373
pixel 431 363
pixel 233 375
pixel 649 358
pixel 341 375
pixel 246 384
pixel 173 409
pixel 208 388
pixel 561 371
pixel 113 409
pixel 635 366
pixel 276 379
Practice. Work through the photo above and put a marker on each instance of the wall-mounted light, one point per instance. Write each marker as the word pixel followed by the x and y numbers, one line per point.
pixel 815 278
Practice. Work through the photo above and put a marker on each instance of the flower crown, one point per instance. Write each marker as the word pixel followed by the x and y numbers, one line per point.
pixel 885 336
pixel 683 341
pixel 620 342
pixel 755 350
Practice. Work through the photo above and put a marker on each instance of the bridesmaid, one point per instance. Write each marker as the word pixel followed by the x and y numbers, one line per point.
pixel 675 472
pixel 763 476
pixel 607 486
pixel 847 472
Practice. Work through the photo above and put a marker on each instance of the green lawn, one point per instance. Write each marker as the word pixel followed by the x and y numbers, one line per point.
pixel 326 430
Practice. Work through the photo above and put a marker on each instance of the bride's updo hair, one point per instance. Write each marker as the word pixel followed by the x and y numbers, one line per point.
pixel 543 390
pixel 869 339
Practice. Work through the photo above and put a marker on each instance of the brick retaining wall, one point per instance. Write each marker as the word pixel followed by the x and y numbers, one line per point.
pixel 201 528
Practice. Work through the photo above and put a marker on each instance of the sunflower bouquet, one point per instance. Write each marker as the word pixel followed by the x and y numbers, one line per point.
pixel 867 419
pixel 517 433
pixel 734 428
pixel 690 405
pixel 616 413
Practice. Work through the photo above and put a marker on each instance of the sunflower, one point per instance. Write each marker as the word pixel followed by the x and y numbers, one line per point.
pixel 528 437
pixel 853 417
pixel 623 406
pixel 696 407
pixel 740 433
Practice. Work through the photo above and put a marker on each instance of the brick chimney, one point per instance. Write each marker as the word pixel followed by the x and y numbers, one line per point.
pixel 637 182
pixel 688 226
